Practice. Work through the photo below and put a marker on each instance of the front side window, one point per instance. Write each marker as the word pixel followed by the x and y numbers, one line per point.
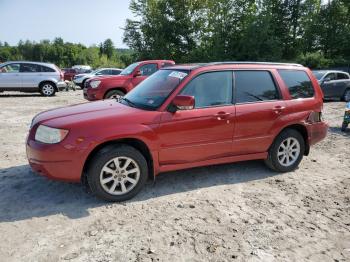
pixel 11 68
pixel 210 89
pixel 30 68
pixel 129 69
pixel 149 69
pixel 152 92
pixel 298 83
pixel 254 86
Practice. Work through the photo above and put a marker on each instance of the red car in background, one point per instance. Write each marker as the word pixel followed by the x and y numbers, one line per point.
pixel 106 87
pixel 182 117
pixel 69 73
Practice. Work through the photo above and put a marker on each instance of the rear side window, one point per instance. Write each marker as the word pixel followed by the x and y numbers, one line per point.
pixel 148 69
pixel 254 86
pixel 342 76
pixel 298 83
pixel 30 68
pixel 47 69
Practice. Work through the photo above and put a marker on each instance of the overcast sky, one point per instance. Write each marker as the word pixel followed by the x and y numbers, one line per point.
pixel 78 21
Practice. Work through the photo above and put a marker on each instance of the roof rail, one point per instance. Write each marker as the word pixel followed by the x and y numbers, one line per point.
pixel 253 63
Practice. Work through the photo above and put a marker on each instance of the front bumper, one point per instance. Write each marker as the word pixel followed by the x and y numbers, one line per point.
pixel 92 94
pixel 54 161
pixel 61 85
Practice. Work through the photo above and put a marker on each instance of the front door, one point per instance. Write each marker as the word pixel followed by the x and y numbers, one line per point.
pixel 10 76
pixel 204 132
pixel 146 70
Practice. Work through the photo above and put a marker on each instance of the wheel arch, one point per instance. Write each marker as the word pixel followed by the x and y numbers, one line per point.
pixel 134 142
pixel 48 81
pixel 123 89
pixel 303 131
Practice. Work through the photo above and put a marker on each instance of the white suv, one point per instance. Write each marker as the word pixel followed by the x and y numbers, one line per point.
pixel 31 77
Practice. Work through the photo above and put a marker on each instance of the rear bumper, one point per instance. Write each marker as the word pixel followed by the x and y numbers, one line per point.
pixel 317 132
pixel 61 85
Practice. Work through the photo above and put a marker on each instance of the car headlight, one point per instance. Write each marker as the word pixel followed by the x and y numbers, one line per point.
pixel 49 135
pixel 95 84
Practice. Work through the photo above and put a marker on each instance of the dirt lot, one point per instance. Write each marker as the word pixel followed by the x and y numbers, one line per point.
pixel 240 212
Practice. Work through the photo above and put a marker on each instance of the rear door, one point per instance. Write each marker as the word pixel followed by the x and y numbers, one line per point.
pixel 31 75
pixel 10 76
pixel 342 83
pixel 259 106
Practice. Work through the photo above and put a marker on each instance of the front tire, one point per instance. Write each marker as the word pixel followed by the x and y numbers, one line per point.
pixel 114 94
pixel 117 173
pixel 47 89
pixel 286 152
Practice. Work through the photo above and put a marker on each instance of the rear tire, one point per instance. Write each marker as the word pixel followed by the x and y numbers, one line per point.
pixel 286 152
pixel 47 89
pixel 114 94
pixel 346 96
pixel 117 173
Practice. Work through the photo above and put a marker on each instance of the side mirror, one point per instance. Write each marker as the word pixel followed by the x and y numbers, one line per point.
pixel 327 79
pixel 137 73
pixel 182 102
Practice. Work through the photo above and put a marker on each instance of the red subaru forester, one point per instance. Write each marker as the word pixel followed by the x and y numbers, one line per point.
pixel 181 117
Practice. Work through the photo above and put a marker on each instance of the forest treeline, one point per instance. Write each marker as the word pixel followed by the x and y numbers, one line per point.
pixel 312 32
pixel 315 33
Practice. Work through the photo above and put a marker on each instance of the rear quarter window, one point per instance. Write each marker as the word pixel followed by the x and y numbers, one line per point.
pixel 298 83
pixel 47 69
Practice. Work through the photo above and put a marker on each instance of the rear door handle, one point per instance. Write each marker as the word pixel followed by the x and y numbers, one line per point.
pixel 278 109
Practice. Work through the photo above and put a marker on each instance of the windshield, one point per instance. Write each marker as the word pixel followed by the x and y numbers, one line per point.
pixel 129 69
pixel 318 74
pixel 152 92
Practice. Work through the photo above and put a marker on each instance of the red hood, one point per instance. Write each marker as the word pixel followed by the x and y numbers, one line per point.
pixel 111 78
pixel 66 116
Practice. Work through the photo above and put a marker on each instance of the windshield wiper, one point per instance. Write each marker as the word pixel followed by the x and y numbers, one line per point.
pixel 126 100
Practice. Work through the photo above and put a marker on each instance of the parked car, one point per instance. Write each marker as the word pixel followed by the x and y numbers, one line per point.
pixel 81 78
pixel 69 73
pixel 82 68
pixel 26 76
pixel 98 88
pixel 334 84
pixel 182 117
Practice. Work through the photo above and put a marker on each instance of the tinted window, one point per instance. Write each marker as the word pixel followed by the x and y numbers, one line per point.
pixel 149 69
pixel 331 76
pixel 103 72
pixel 30 68
pixel 253 86
pixel 342 76
pixel 47 69
pixel 115 72
pixel 211 89
pixel 298 82
pixel 11 68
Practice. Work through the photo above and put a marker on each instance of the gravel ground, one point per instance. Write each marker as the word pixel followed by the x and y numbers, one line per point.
pixel 235 212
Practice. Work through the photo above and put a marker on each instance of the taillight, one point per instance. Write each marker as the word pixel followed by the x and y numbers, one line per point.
pixel 315 117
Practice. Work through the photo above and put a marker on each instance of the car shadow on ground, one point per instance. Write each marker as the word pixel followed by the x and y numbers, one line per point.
pixel 4 95
pixel 337 130
pixel 25 195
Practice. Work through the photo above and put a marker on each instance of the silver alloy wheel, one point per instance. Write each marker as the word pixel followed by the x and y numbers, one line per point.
pixel 47 89
pixel 119 175
pixel 288 152
pixel 347 95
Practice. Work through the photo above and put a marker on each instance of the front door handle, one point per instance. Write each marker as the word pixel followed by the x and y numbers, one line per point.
pixel 222 115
